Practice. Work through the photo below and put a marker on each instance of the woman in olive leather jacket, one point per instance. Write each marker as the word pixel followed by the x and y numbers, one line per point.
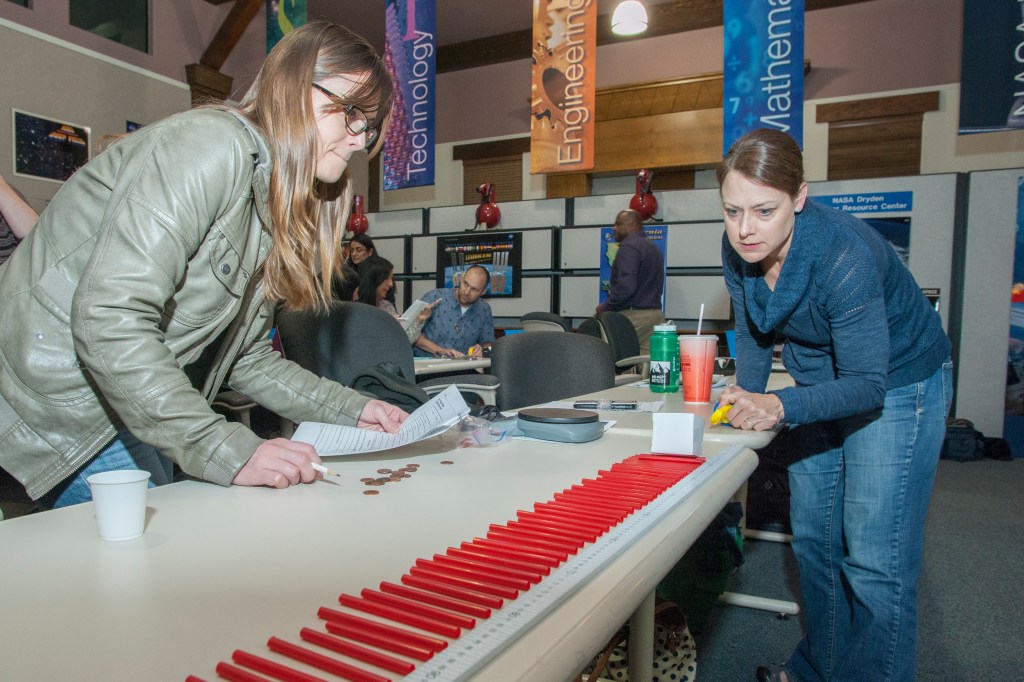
pixel 151 279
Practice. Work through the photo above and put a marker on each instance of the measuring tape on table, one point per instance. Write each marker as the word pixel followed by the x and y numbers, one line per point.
pixel 476 647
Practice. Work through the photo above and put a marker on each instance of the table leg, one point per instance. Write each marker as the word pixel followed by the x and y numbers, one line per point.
pixel 641 640
pixel 748 600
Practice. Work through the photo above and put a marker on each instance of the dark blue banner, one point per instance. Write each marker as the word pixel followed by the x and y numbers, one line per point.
pixel 410 49
pixel 282 17
pixel 992 66
pixel 763 68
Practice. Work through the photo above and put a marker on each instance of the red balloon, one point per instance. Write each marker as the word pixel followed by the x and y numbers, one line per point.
pixel 643 202
pixel 487 212
pixel 358 223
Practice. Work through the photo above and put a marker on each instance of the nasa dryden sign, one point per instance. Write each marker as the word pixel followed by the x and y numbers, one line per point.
pixel 881 202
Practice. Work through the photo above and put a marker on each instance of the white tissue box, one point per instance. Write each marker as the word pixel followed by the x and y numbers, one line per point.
pixel 677 434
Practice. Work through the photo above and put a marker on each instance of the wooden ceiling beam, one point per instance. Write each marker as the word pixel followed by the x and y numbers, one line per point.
pixel 230 32
pixel 664 19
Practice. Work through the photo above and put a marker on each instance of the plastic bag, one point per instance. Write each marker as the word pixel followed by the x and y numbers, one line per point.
pixel 475 432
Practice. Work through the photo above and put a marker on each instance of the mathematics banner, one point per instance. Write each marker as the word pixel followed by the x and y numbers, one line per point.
pixel 282 17
pixel 992 66
pixel 410 51
pixel 763 68
pixel 562 99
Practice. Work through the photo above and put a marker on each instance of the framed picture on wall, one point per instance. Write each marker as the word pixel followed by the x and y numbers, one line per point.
pixel 48 149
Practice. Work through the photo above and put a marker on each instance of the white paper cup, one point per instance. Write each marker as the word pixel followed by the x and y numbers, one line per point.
pixel 120 500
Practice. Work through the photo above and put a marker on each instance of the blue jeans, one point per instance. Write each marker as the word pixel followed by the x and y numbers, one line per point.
pixel 860 488
pixel 124 452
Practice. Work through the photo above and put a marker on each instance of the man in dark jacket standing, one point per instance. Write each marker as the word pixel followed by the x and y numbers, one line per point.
pixel 638 278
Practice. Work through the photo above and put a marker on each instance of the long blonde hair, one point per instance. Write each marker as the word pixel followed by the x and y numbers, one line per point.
pixel 309 216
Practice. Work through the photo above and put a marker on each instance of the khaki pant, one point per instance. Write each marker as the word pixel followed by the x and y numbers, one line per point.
pixel 644 321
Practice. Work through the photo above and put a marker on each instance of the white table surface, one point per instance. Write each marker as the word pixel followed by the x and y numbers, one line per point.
pixel 226 568
pixel 640 422
pixel 438 365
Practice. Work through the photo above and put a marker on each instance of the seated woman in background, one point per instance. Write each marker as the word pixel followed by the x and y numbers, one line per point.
pixel 374 279
pixel 360 247
pixel 16 219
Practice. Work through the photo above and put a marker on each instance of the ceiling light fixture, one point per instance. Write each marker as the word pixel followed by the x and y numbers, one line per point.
pixel 629 18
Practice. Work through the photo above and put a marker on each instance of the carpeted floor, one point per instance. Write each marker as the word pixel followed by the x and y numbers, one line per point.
pixel 971 618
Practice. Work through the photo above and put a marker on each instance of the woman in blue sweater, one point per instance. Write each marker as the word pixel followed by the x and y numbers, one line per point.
pixel 867 414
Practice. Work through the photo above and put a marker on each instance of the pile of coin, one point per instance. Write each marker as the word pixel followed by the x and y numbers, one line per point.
pixel 389 476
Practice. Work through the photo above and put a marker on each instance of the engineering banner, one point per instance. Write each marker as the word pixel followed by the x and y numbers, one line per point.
pixel 562 100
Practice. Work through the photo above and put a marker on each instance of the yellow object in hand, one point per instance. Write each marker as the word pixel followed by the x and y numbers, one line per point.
pixel 719 415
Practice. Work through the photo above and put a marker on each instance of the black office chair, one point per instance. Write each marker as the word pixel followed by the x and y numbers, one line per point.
pixel 541 321
pixel 538 367
pixel 618 332
pixel 352 337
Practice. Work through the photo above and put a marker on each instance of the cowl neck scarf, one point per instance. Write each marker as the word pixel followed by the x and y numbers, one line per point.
pixel 769 309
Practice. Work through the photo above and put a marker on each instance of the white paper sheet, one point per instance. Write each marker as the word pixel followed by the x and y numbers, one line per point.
pixel 411 313
pixel 436 416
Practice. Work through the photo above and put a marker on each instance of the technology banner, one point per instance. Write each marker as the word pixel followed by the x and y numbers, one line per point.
pixel 563 86
pixel 410 51
pixel 282 17
pixel 992 66
pixel 763 68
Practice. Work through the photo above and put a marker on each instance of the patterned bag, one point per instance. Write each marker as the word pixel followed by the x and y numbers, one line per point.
pixel 675 653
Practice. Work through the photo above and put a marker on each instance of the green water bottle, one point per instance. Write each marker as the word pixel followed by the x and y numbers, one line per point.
pixel 664 359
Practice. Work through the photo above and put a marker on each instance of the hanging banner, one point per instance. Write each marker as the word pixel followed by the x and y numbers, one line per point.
pixel 410 52
pixel 562 100
pixel 282 17
pixel 992 66
pixel 763 68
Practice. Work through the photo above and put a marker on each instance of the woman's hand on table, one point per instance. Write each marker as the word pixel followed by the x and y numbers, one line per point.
pixel 752 411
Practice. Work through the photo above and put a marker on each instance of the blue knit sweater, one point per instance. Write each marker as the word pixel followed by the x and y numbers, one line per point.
pixel 855 322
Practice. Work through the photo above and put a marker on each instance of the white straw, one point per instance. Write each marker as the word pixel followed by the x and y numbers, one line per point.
pixel 700 319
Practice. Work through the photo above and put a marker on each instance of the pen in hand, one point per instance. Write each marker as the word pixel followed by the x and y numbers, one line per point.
pixel 324 470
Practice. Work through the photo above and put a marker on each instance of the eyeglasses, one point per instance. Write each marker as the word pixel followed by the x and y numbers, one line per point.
pixel 355 119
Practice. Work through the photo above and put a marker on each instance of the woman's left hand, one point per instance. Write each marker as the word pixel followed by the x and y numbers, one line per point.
pixel 426 312
pixel 752 411
pixel 378 415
